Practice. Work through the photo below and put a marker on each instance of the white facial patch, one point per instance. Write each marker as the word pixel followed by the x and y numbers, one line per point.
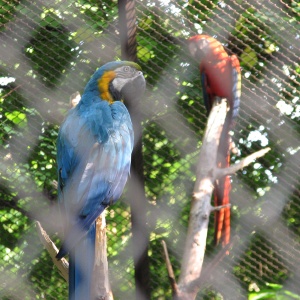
pixel 124 75
pixel 119 83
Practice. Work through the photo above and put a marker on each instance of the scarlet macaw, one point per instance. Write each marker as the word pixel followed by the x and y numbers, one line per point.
pixel 221 77
pixel 94 149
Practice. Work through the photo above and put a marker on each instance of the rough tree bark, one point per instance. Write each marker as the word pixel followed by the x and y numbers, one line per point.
pixel 101 285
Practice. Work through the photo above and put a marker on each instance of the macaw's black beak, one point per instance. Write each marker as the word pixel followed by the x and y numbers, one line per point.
pixel 134 89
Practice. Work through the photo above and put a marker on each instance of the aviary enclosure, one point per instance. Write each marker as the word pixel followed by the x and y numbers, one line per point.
pixel 49 49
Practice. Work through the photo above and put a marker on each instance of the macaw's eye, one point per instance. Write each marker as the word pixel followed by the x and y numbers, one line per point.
pixel 126 69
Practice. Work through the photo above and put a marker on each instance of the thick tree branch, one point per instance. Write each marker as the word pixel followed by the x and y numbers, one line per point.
pixel 207 172
pixel 200 209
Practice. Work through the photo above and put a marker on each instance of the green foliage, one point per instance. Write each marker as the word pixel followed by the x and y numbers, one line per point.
pixel 45 47
pixel 273 292
pixel 7 10
pixel 291 213
pixel 250 264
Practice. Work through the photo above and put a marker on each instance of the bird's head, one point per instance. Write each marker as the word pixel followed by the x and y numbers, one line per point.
pixel 204 46
pixel 117 80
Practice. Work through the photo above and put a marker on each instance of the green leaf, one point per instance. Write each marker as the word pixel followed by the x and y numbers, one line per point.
pixel 292 295
pixel 17 118
pixel 249 57
pixel 275 286
pixel 262 295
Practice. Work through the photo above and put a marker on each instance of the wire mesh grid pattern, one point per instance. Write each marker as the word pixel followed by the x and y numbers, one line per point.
pixel 49 49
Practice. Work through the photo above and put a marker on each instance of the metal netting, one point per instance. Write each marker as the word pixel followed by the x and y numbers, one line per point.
pixel 49 50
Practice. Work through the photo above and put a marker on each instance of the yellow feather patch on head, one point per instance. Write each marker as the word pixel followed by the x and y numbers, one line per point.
pixel 103 84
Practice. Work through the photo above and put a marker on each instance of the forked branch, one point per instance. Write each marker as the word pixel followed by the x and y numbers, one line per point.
pixel 207 172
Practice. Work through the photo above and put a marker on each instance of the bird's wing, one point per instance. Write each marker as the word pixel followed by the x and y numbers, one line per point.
pixel 93 163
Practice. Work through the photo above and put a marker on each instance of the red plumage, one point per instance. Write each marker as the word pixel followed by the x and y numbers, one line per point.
pixel 220 77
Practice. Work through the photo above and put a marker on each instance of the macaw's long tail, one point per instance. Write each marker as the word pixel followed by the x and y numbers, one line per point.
pixel 222 189
pixel 81 266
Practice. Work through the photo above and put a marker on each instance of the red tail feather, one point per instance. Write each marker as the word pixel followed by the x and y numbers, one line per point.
pixel 222 189
pixel 220 77
pixel 222 217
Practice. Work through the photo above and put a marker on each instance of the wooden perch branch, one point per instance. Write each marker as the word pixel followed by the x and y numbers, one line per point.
pixel 241 164
pixel 207 172
pixel 101 287
pixel 62 265
pixel 193 256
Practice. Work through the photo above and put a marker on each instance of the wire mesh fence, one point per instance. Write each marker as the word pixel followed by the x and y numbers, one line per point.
pixel 49 49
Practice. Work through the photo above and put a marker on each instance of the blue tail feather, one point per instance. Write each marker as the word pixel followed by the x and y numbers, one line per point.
pixel 81 265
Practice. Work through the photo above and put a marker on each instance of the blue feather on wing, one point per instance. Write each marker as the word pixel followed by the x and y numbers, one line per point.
pixel 94 171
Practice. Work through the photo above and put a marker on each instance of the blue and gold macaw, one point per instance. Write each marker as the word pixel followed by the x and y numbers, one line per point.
pixel 94 149
pixel 220 77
